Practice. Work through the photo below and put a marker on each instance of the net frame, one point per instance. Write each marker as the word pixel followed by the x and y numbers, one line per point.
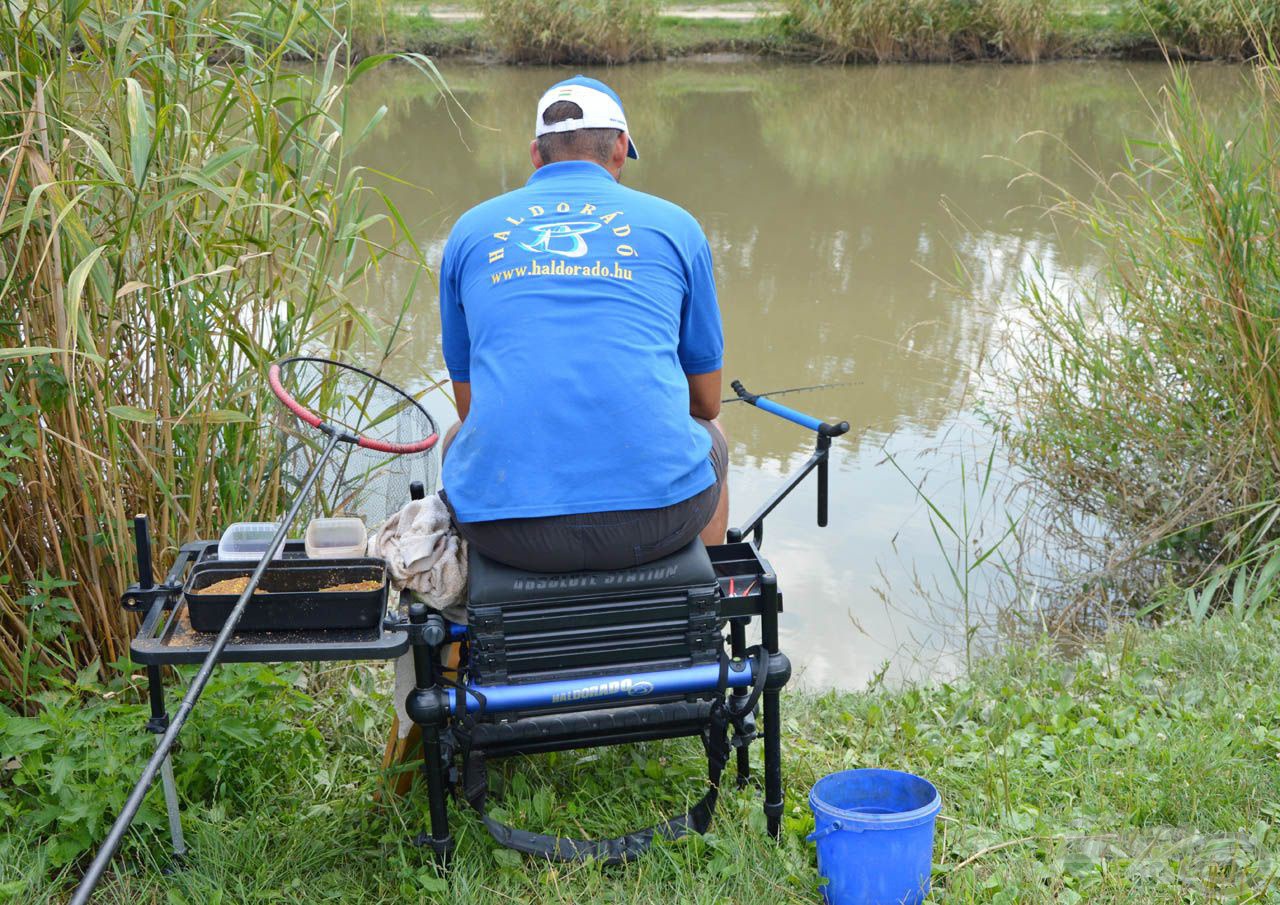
pixel 311 418
pixel 391 439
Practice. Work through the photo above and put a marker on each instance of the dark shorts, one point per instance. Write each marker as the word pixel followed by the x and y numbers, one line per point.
pixel 600 540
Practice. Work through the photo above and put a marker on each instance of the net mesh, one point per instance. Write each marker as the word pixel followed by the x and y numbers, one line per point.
pixel 355 481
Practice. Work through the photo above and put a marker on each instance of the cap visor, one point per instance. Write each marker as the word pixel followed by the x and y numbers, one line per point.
pixel 631 149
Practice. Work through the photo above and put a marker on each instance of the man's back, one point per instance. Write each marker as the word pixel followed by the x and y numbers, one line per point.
pixel 575 308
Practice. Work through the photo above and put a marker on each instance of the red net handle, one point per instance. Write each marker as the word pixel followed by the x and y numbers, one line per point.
pixel 310 417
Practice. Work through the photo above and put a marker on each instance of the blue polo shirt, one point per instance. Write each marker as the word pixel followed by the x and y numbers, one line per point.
pixel 575 307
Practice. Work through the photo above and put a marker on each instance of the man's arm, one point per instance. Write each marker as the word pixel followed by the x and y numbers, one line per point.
pixel 455 337
pixel 462 398
pixel 704 394
pixel 701 349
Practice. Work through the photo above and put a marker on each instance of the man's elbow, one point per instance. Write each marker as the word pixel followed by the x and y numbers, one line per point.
pixel 704 395
pixel 707 410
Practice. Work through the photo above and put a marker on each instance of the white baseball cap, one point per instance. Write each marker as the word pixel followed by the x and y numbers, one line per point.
pixel 601 109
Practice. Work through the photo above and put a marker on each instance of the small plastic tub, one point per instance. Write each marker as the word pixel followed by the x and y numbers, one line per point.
pixel 247 541
pixel 336 538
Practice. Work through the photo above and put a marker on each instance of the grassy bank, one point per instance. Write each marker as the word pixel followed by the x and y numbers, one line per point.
pixel 1146 770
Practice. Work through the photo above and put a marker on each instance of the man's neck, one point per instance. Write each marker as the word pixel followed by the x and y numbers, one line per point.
pixel 614 171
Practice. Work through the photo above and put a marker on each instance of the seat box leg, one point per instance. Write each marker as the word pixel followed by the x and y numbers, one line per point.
pixel 773 794
pixel 738 648
pixel 439 840
pixel 426 705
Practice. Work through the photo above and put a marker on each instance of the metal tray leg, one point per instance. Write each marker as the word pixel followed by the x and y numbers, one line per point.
pixel 171 805
pixel 158 723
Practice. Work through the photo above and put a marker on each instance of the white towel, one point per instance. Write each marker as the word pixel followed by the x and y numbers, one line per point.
pixel 428 562
pixel 425 555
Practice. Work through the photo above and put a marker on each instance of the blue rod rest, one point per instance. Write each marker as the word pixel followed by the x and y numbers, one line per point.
pixel 777 408
pixel 790 414
pixel 601 689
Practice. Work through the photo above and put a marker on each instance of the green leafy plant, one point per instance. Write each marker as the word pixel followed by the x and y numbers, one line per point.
pixel 1150 400
pixel 69 767
pixel 960 537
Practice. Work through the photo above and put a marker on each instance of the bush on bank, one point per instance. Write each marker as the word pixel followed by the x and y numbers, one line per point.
pixel 1150 400
pixel 1212 29
pixel 580 31
pixel 883 31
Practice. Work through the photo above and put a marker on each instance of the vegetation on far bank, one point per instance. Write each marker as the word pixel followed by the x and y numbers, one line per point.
pixel 1145 770
pixel 619 31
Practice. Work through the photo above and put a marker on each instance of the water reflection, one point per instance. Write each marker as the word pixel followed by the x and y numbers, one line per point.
pixel 843 207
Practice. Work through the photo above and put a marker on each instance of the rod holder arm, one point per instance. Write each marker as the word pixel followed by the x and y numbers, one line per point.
pixel 819 460
pixel 764 403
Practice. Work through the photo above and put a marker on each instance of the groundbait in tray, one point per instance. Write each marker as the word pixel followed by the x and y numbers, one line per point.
pixel 291 596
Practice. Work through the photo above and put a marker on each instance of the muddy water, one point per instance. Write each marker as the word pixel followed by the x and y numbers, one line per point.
pixel 868 232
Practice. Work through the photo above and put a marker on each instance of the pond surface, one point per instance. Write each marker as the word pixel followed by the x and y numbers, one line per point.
pixel 868 231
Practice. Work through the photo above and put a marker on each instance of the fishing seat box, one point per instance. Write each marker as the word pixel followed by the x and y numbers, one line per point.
pixel 528 627
pixel 533 627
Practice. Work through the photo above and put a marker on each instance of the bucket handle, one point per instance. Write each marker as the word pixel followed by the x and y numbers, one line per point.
pixel 833 827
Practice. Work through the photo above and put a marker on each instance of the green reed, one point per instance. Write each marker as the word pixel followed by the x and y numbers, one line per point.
pixel 571 31
pixel 178 209
pixel 1150 398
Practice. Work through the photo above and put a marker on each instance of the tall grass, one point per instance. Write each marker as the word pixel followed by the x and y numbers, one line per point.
pixel 1152 400
pixel 1212 29
pixel 572 31
pixel 178 210
pixel 883 31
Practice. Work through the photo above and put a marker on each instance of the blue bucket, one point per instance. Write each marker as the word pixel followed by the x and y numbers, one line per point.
pixel 874 830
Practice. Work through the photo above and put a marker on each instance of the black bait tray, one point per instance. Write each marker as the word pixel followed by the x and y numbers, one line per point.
pixel 292 595
pixel 740 572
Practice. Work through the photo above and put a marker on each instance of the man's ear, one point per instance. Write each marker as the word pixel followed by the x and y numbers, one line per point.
pixel 535 155
pixel 620 147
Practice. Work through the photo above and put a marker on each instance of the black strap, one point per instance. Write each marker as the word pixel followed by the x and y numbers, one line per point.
pixel 619 849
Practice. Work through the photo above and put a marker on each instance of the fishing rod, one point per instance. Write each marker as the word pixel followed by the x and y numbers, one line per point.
pixel 816 386
pixel 344 427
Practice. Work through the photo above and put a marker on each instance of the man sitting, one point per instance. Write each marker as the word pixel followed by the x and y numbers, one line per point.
pixel 583 339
